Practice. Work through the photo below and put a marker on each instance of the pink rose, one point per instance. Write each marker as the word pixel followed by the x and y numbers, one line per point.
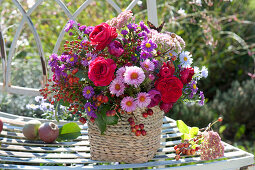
pixel 101 71
pixel 166 107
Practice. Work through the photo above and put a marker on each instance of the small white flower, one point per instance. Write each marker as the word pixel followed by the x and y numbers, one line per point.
pixel 32 106
pixel 172 55
pixel 186 59
pixel 204 72
pixel 181 12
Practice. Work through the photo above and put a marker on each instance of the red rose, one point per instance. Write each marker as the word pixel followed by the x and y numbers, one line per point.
pixel 186 75
pixel 167 70
pixel 102 35
pixel 170 89
pixel 101 71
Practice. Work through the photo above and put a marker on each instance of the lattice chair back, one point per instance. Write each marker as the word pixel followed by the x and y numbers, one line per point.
pixel 6 85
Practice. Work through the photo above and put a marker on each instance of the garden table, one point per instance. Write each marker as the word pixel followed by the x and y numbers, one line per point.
pixel 18 153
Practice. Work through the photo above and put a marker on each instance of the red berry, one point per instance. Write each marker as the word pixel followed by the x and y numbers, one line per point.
pixel 184 151
pixel 98 103
pixel 186 145
pixel 99 98
pixel 197 148
pixel 133 129
pixel 178 151
pixel 132 124
pixel 143 132
pixel 108 113
pixel 113 112
pixel 137 127
pixel 105 99
pixel 220 119
pixel 193 151
pixel 150 112
pixel 177 157
pixel 138 133
pixel 188 152
pixel 130 119
pixel 175 147
pixel 141 126
pixel 75 71
pixel 92 119
pixel 82 120
pixel 145 115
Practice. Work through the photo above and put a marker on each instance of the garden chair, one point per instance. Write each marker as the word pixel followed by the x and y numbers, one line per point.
pixel 18 153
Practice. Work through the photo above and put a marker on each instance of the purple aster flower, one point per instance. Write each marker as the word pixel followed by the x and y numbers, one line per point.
pixel 46 107
pixel 82 28
pixel 72 59
pixel 88 30
pixel 120 73
pixel 40 99
pixel 69 25
pixel 89 58
pixel 155 98
pixel 143 99
pixel 53 61
pixel 156 63
pixel 147 65
pixel 144 55
pixel 142 34
pixel 124 32
pixel 148 45
pixel 134 58
pixel 88 92
pixel 134 75
pixel 63 58
pixel 144 27
pixel 70 33
pixel 90 109
pixel 201 102
pixel 132 26
pixel 115 48
pixel 193 88
pixel 128 104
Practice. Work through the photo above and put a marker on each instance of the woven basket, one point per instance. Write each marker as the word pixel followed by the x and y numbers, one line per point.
pixel 119 144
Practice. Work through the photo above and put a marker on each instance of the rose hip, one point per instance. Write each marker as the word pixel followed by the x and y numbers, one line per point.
pixel 150 112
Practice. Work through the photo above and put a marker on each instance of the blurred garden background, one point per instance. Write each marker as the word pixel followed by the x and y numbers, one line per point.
pixel 219 34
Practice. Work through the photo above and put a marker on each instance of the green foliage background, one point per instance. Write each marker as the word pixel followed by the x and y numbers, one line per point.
pixel 221 37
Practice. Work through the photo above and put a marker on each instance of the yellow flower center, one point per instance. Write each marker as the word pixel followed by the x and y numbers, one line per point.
pixel 88 91
pixel 146 65
pixel 170 54
pixel 194 86
pixel 148 45
pixel 89 109
pixel 89 58
pixel 185 58
pixel 129 103
pixel 117 87
pixel 142 98
pixel 72 59
pixel 134 76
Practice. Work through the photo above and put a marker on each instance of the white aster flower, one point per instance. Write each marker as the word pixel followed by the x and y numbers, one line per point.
pixel 185 59
pixel 204 72
pixel 181 12
pixel 172 55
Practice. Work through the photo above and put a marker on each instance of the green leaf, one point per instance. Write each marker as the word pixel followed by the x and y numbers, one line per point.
pixel 100 123
pixel 109 120
pixel 183 128
pixel 193 131
pixel 185 136
pixel 240 132
pixel 222 128
pixel 69 131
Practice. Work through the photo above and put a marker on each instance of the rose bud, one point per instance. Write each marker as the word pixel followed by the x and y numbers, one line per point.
pixel 186 75
pixel 155 98
pixel 115 48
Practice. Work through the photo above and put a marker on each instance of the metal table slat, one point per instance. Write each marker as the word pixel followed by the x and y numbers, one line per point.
pixel 18 153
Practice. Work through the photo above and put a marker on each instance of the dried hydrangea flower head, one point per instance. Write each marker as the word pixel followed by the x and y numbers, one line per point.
pixel 212 147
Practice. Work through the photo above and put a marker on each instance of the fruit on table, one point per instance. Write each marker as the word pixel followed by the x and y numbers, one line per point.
pixel 30 130
pixel 1 125
pixel 48 132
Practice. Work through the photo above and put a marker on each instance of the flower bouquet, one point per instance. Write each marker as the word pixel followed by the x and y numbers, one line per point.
pixel 121 77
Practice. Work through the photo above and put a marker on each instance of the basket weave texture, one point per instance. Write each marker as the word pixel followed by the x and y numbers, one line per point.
pixel 119 144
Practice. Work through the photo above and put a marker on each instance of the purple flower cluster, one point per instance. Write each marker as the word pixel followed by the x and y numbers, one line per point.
pixel 69 25
pixel 212 147
pixel 90 109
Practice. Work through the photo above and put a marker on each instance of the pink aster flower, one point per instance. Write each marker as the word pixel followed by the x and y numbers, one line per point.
pixel 117 87
pixel 120 73
pixel 143 100
pixel 128 104
pixel 147 65
pixel 134 75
